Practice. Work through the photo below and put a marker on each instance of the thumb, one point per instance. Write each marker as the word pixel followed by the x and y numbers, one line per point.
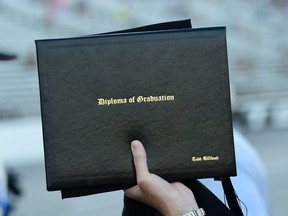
pixel 140 159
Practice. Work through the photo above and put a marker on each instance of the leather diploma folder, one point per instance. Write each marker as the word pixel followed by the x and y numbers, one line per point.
pixel 167 88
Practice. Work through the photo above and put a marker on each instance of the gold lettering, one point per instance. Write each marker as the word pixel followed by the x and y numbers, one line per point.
pixel 140 99
pixel 146 99
pixel 195 159
pixel 101 102
pixel 111 101
pixel 205 158
pixel 210 158
pixel 134 99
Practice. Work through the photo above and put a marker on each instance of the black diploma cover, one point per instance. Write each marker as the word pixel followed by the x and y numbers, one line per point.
pixel 167 88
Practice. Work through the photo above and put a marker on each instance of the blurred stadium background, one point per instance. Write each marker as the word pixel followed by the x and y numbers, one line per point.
pixel 258 63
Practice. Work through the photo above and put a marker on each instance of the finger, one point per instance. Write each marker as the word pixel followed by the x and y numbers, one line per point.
pixel 140 159
pixel 133 192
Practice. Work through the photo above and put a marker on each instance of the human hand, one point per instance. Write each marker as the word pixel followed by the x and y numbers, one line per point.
pixel 170 199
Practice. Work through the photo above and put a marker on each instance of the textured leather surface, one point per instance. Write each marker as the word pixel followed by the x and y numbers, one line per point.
pixel 88 146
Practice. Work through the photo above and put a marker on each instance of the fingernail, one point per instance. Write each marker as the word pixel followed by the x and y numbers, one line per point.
pixel 135 144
